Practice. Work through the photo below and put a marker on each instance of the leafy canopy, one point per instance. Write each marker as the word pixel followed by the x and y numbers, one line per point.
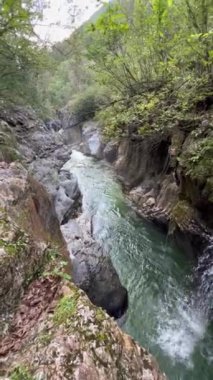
pixel 21 58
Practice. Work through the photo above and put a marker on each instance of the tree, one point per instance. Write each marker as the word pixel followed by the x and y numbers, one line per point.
pixel 21 58
pixel 16 17
pixel 134 48
pixel 148 44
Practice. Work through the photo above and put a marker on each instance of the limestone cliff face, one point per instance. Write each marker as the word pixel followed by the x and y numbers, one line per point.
pixel 49 328
pixel 153 169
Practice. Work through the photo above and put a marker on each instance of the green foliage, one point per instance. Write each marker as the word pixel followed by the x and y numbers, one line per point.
pixel 8 154
pixel 15 16
pixel 153 57
pixel 145 114
pixel 21 373
pixel 45 337
pixel 21 58
pixel 56 265
pixel 69 75
pixel 8 146
pixel 85 105
pixel 198 159
pixel 133 49
pixel 190 90
pixel 65 309
pixel 16 247
pixel 146 45
pixel 121 49
pixel 158 111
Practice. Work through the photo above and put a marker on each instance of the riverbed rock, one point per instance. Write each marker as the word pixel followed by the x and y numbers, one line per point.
pixel 92 269
pixel 68 197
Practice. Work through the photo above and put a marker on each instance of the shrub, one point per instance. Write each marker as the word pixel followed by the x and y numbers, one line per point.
pixel 198 159
pixel 85 104
pixel 8 150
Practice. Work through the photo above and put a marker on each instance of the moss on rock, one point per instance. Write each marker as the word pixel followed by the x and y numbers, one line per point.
pixel 65 309
pixel 86 341
pixel 21 373
pixel 8 145
pixel 182 214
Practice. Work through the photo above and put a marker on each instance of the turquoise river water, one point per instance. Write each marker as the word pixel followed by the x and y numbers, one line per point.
pixel 166 314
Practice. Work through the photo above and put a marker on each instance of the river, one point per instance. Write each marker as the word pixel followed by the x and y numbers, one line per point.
pixel 165 314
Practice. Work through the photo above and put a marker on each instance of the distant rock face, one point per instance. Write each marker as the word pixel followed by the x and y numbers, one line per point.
pixel 41 147
pixel 92 143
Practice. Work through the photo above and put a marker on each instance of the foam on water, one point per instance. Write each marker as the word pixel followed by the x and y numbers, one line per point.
pixel 179 334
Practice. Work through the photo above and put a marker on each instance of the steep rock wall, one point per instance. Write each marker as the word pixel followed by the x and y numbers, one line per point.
pixel 49 328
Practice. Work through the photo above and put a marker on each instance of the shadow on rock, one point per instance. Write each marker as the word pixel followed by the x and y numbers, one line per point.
pixel 92 269
pixel 67 198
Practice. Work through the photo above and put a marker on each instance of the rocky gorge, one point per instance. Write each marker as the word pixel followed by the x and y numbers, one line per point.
pixel 106 190
pixel 156 181
pixel 49 328
pixel 39 194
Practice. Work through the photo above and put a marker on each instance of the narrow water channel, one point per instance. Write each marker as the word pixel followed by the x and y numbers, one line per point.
pixel 164 315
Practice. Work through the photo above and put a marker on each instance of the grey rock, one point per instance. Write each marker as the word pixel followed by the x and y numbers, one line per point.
pixel 54 125
pixel 67 197
pixel 92 269
pixel 63 204
pixel 70 184
pixel 110 152
pixel 93 145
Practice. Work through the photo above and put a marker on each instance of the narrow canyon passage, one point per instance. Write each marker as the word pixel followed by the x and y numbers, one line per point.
pixel 167 313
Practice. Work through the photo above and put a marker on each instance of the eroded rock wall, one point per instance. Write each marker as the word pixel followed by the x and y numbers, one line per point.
pixel 161 188
pixel 49 328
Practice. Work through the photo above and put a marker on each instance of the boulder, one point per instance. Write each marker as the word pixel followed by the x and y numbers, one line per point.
pixel 93 145
pixel 92 269
pixel 67 197
pixel 54 125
